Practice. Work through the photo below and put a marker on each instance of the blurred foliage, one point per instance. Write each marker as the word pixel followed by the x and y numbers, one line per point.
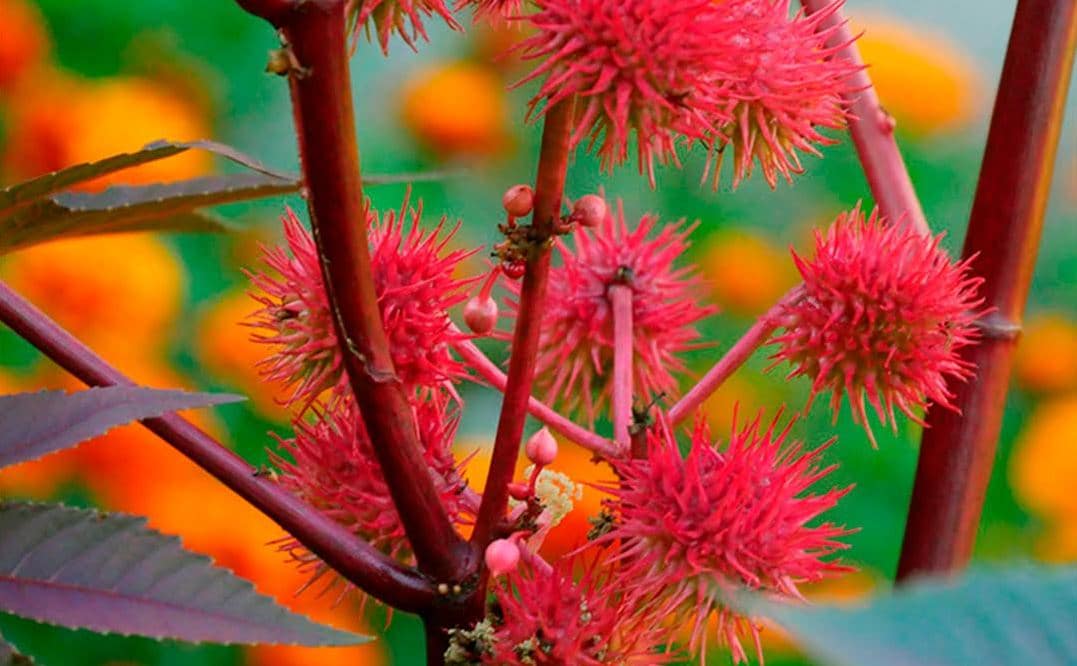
pixel 80 79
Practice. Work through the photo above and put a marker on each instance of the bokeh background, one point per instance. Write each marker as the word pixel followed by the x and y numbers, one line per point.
pixel 81 79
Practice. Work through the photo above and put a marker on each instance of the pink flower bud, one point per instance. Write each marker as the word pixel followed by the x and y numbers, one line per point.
pixel 541 448
pixel 502 556
pixel 589 210
pixel 518 200
pixel 480 314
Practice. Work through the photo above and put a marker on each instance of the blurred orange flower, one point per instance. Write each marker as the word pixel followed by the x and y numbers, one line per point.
pixel 1046 356
pixel 923 79
pixel 1044 462
pixel 120 294
pixel 745 272
pixel 456 109
pixel 61 121
pixel 25 42
pixel 225 349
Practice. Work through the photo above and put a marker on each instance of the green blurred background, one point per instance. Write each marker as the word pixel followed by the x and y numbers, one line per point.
pixel 81 79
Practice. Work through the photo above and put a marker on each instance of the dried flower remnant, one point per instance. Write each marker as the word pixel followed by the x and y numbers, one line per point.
pixel 884 314
pixel 688 526
pixel 781 84
pixel 413 277
pixel 639 66
pixel 575 358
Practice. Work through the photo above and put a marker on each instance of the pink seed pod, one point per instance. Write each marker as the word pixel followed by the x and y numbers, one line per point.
pixel 541 448
pixel 589 210
pixel 518 200
pixel 502 556
pixel 480 314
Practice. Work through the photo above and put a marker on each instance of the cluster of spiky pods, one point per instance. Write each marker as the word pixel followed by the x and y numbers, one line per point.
pixel 879 317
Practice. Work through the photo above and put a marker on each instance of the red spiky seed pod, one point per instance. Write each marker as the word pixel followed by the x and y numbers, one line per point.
pixel 884 313
pixel 781 84
pixel 719 518
pixel 575 359
pixel 383 18
pixel 642 67
pixel 548 618
pixel 413 278
pixel 330 463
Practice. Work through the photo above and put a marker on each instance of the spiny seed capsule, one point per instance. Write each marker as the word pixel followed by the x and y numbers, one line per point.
pixel 541 448
pixel 518 200
pixel 589 210
pixel 480 314
pixel 502 556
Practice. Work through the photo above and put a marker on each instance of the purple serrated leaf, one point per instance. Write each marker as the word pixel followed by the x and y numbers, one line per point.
pixel 111 574
pixel 34 424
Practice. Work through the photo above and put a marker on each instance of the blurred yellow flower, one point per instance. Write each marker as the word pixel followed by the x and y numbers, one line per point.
pixel 25 43
pixel 226 351
pixel 457 109
pixel 61 121
pixel 923 79
pixel 1044 462
pixel 120 294
pixel 1046 356
pixel 745 272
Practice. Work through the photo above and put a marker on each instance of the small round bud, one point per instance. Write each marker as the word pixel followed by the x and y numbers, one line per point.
pixel 502 556
pixel 518 200
pixel 589 210
pixel 541 448
pixel 480 314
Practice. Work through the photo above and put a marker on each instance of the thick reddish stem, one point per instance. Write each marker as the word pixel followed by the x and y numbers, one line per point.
pixel 620 297
pixel 872 129
pixel 958 449
pixel 754 338
pixel 321 98
pixel 489 371
pixel 549 188
pixel 363 565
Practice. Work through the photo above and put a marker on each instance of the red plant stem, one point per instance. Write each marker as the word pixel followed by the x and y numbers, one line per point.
pixel 872 129
pixel 549 188
pixel 362 564
pixel 620 297
pixel 321 99
pixel 958 449
pixel 489 371
pixel 754 338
